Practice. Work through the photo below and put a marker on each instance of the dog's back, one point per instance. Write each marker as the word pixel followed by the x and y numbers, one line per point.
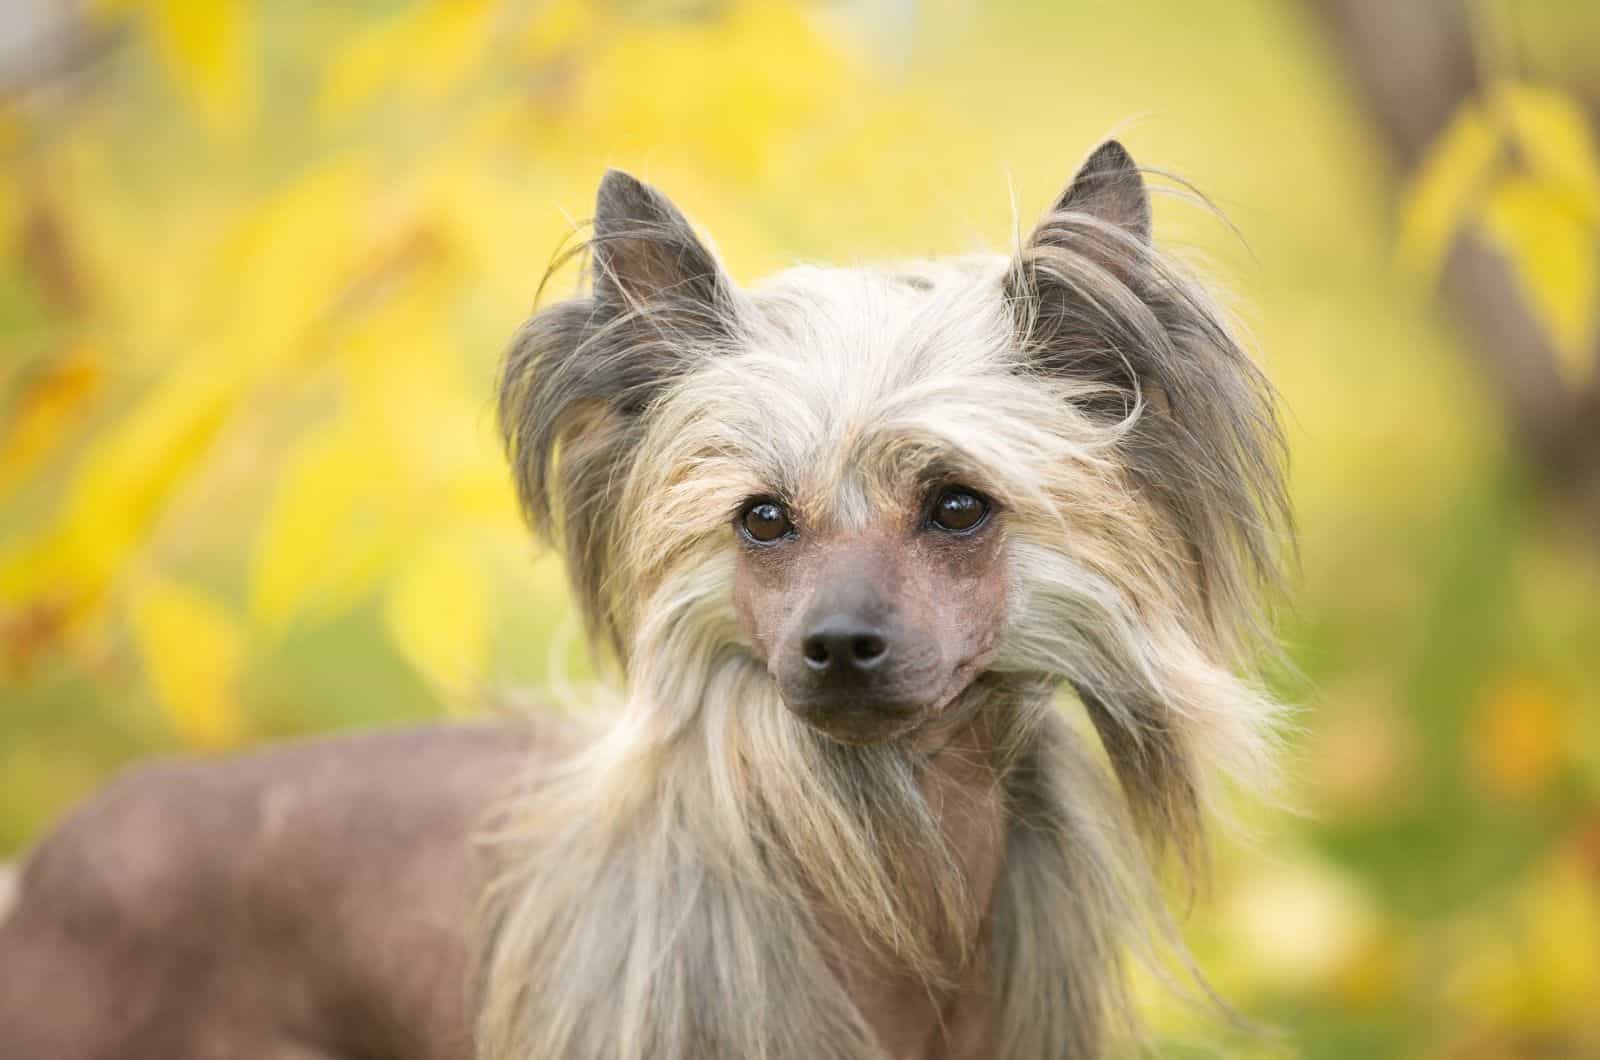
pixel 307 901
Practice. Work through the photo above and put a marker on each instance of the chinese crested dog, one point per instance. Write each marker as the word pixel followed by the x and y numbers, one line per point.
pixel 864 543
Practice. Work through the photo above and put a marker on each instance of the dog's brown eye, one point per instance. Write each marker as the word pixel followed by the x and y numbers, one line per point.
pixel 958 509
pixel 766 521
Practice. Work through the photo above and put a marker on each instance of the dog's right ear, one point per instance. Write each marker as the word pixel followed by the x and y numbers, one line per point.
pixel 581 376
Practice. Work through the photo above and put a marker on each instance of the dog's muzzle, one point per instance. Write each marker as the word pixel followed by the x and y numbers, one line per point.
pixel 853 674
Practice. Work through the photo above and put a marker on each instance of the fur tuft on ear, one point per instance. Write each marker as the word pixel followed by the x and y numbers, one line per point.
pixel 581 375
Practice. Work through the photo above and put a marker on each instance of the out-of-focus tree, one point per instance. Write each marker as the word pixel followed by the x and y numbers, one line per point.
pixel 1498 195
pixel 344 237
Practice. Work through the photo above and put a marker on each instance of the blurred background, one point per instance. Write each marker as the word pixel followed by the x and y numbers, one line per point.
pixel 258 262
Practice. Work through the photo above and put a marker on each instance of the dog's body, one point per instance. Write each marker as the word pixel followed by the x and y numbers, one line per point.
pixel 306 902
pixel 847 535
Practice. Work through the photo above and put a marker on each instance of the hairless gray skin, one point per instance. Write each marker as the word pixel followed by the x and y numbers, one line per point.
pixel 305 902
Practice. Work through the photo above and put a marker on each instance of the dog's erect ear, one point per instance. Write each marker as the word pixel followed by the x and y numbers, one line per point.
pixel 581 374
pixel 1081 273
pixel 1146 352
pixel 1108 186
pixel 645 251
pixel 1109 192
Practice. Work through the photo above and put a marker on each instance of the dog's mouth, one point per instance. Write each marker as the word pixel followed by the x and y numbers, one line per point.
pixel 858 724
pixel 867 719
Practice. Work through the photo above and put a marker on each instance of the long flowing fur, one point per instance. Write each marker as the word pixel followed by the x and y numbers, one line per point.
pixel 674 888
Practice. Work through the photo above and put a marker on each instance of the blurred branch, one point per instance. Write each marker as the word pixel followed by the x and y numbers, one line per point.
pixel 1415 63
pixel 45 44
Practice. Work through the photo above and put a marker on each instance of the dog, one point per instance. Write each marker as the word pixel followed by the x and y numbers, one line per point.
pixel 864 545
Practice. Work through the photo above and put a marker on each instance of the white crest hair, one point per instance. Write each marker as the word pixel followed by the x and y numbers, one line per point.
pixel 658 888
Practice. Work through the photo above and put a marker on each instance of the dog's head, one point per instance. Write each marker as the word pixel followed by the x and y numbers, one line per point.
pixel 881 484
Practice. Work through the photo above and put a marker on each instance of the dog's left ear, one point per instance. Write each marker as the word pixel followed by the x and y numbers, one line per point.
pixel 1082 278
pixel 1147 354
pixel 1103 215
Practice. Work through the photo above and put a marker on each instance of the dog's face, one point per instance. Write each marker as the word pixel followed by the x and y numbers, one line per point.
pixel 829 472
pixel 872 625
pixel 878 485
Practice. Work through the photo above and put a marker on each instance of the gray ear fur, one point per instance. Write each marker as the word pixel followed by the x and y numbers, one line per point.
pixel 581 374
pixel 646 251
pixel 1095 302
pixel 1108 186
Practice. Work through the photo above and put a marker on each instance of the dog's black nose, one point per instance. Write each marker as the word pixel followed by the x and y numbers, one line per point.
pixel 844 645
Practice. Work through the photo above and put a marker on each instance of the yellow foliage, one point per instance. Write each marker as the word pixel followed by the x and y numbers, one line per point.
pixel 1553 133
pixel 287 261
pixel 736 82
pixel 193 651
pixel 1535 963
pixel 46 409
pixel 1555 256
pixel 1518 739
pixel 1444 189
pixel 433 45
pixel 126 478
pixel 203 45
pixel 1523 165
pixel 437 612
pixel 560 25
pixel 328 536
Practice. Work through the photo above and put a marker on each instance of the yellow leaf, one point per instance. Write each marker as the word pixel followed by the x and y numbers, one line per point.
pixel 560 25
pixel 126 478
pixel 47 407
pixel 1555 256
pixel 1553 132
pixel 437 611
pixel 743 77
pixel 434 46
pixel 193 651
pixel 1531 960
pixel 330 533
pixel 288 260
pixel 395 364
pixel 201 42
pixel 362 68
pixel 1444 190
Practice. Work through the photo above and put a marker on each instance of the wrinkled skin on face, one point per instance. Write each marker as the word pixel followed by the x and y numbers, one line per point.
pixel 872 631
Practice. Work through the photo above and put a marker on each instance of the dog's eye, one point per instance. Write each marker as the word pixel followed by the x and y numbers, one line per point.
pixel 766 521
pixel 957 509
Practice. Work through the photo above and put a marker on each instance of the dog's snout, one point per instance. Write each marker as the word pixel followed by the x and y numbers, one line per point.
pixel 842 644
pixel 856 668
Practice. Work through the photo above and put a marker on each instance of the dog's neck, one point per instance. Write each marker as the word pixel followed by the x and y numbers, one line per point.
pixel 909 1016
pixel 878 933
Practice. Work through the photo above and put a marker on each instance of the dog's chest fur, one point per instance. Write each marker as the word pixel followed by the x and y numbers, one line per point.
pixel 908 1018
